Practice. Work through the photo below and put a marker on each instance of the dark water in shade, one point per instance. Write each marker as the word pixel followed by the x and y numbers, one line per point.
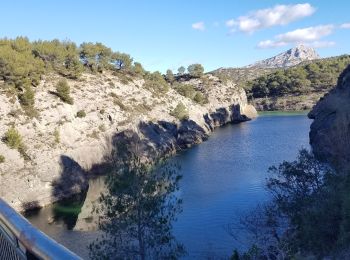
pixel 222 178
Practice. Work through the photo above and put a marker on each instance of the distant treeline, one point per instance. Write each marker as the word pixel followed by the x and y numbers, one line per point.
pixel 317 76
pixel 23 62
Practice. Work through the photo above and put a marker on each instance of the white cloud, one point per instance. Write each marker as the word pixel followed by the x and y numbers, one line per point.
pixel 309 36
pixel 200 26
pixel 277 15
pixel 345 26
pixel 270 44
pixel 306 34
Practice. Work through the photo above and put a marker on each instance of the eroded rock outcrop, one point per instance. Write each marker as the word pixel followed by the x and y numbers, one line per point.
pixel 330 130
pixel 64 148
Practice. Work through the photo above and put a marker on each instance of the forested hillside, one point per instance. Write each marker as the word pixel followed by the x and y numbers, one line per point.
pixel 23 64
pixel 317 76
pixel 293 88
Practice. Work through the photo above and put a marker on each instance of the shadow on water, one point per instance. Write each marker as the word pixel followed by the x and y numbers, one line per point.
pixel 65 211
pixel 69 190
pixel 149 142
pixel 152 141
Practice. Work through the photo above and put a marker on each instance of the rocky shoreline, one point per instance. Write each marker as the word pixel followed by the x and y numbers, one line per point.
pixel 58 170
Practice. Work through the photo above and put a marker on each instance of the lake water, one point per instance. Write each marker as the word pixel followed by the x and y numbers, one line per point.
pixel 222 179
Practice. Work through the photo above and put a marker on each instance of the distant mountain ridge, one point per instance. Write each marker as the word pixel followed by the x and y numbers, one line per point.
pixel 291 57
pixel 293 80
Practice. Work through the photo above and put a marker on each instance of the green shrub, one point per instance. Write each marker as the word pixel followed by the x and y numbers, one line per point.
pixel 31 111
pixel 12 138
pixel 200 98
pixel 170 76
pixel 189 91
pixel 138 69
pixel 185 90
pixel 27 97
pixel 58 56
pixel 18 66
pixel 2 159
pixel 56 135
pixel 156 83
pixel 195 70
pixel 63 91
pixel 181 70
pixel 180 112
pixel 81 114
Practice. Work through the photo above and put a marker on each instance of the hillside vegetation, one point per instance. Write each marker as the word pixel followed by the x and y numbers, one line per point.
pixel 293 88
pixel 23 64
pixel 241 75
pixel 317 76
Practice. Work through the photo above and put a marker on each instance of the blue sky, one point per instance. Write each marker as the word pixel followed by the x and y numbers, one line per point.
pixel 167 34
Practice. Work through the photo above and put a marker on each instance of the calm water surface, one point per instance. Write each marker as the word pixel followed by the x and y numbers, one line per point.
pixel 222 178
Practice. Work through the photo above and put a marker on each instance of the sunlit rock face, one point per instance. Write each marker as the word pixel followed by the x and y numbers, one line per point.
pixel 289 58
pixel 330 131
pixel 59 169
pixel 87 219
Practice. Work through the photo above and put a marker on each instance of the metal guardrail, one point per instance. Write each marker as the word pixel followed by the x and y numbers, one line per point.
pixel 20 240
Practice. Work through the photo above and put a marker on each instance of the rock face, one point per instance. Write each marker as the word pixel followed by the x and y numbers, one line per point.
pixel 330 130
pixel 115 111
pixel 289 58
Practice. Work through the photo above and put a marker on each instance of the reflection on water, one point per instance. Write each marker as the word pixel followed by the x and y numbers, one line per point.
pixel 64 213
pixel 68 221
pixel 222 178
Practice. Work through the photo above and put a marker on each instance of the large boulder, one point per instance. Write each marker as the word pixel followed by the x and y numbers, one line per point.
pixel 330 130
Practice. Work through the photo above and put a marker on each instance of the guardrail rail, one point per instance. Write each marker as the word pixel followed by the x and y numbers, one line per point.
pixel 20 240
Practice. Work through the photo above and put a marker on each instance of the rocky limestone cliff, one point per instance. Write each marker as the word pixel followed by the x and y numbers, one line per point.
pixel 64 149
pixel 330 130
pixel 289 58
